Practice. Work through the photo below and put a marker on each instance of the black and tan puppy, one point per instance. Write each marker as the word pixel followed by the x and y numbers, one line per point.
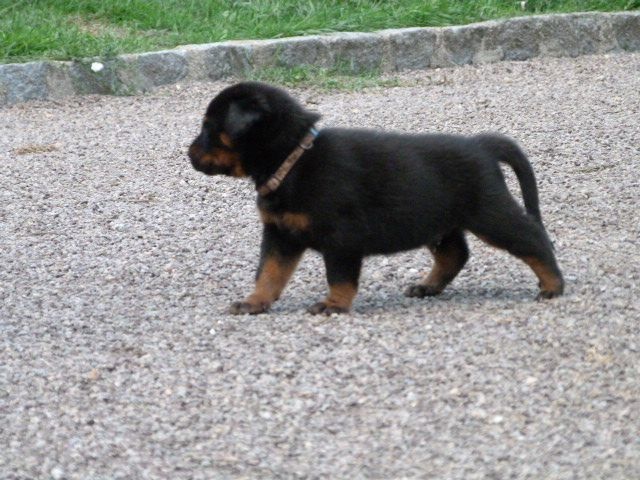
pixel 352 193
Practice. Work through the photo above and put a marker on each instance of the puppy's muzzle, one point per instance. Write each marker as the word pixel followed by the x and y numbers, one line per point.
pixel 195 155
pixel 201 161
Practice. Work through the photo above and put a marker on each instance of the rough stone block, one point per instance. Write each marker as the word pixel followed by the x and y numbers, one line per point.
pixel 22 82
pixel 573 35
pixel 409 49
pixel 291 52
pixel 459 45
pixel 226 59
pixel 518 39
pixel 212 61
pixel 59 84
pixel 161 68
pixel 356 52
pixel 626 28
pixel 86 81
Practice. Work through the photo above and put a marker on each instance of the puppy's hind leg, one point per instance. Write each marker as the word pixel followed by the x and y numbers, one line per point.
pixel 523 236
pixel 450 255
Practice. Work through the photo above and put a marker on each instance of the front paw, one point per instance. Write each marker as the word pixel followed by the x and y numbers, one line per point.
pixel 322 307
pixel 239 308
pixel 421 291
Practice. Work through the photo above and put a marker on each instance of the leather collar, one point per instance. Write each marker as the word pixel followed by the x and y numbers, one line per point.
pixel 278 177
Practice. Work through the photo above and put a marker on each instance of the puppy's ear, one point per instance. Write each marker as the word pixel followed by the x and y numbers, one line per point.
pixel 244 115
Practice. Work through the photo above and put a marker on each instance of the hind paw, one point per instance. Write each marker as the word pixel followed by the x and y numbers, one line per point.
pixel 547 295
pixel 421 291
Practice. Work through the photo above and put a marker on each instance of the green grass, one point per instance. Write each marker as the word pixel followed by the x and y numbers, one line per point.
pixel 71 29
pixel 336 78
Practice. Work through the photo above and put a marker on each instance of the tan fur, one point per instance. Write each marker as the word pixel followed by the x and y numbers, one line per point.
pixel 297 222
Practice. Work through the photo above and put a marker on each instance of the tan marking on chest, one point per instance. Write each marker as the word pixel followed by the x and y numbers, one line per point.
pixel 297 222
pixel 225 139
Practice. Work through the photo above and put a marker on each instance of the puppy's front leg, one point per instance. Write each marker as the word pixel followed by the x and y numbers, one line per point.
pixel 343 272
pixel 279 256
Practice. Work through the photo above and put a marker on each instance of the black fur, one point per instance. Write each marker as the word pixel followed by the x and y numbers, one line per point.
pixel 363 192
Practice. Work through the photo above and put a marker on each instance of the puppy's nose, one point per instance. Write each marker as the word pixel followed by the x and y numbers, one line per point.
pixel 194 152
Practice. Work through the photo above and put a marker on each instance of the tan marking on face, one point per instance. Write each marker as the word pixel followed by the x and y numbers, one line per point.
pixel 297 222
pixel 223 159
pixel 225 139
pixel 237 170
pixel 274 275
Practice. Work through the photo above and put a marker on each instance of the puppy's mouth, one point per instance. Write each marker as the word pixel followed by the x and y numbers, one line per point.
pixel 217 162
pixel 208 168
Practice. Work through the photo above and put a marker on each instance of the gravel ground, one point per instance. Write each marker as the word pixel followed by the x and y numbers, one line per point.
pixel 118 262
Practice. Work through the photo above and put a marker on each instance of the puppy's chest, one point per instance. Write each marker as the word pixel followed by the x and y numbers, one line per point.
pixel 284 218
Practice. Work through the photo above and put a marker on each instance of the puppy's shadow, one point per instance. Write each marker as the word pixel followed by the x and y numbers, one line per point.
pixel 393 300
pixel 379 300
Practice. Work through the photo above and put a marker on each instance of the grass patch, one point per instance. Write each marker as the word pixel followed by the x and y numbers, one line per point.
pixel 72 29
pixel 336 78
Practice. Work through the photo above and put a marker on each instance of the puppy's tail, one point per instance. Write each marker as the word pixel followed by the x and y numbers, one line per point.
pixel 510 153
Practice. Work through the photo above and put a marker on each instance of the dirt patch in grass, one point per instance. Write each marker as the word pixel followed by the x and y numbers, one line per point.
pixel 96 28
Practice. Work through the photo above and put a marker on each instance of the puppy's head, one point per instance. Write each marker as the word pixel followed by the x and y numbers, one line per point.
pixel 246 117
pixel 213 152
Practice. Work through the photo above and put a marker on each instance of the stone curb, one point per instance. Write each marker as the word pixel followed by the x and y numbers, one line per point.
pixel 519 38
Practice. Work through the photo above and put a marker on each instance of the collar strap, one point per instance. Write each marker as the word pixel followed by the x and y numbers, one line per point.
pixel 277 178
